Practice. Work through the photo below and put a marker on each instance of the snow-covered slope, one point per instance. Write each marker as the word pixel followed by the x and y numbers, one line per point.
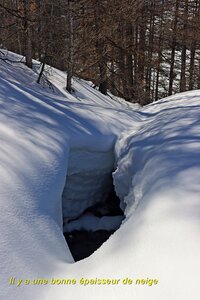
pixel 53 141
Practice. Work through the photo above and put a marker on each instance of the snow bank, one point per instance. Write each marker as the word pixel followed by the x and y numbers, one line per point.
pixel 45 138
pixel 41 132
pixel 157 174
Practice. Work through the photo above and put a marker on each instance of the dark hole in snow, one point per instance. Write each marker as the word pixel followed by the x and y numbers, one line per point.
pixel 94 226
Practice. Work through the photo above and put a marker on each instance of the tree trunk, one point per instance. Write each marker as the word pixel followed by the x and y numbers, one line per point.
pixel 141 61
pixel 103 84
pixel 42 70
pixel 100 49
pixel 150 52
pixel 173 50
pixel 192 61
pixel 129 63
pixel 28 33
pixel 184 48
pixel 70 50
pixel 160 49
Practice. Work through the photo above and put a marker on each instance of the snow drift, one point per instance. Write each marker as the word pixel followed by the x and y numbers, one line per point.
pixel 47 137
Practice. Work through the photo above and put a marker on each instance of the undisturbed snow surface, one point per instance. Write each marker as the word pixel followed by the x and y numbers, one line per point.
pixel 47 137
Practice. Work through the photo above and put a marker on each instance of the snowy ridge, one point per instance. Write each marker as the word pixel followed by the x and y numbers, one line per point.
pixel 169 138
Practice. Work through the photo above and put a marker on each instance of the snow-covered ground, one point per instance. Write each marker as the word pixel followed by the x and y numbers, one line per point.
pixel 53 141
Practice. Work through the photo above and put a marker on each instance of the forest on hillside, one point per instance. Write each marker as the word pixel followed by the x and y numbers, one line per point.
pixel 139 50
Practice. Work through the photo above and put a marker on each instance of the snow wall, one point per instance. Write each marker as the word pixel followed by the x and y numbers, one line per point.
pixel 88 181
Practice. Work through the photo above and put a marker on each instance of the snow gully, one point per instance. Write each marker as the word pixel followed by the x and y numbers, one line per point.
pixel 91 208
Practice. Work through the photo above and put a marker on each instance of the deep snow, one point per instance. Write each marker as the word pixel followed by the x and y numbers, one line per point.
pixel 51 140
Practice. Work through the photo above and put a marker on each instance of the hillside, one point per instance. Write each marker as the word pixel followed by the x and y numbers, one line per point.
pixel 59 154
